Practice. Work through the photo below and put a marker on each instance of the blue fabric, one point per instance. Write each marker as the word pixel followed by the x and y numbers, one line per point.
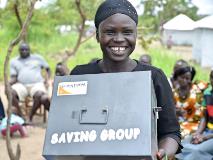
pixel 14 119
pixel 2 114
pixel 202 151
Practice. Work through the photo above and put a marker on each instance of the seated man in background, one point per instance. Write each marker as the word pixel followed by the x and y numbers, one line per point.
pixel 27 80
pixel 145 58
pixel 61 69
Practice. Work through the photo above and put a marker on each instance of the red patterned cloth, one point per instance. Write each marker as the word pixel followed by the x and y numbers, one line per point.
pixel 189 111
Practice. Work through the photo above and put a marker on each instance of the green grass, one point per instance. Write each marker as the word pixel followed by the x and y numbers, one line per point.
pixel 165 59
pixel 50 45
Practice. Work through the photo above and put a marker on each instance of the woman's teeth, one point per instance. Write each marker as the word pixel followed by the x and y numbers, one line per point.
pixel 118 50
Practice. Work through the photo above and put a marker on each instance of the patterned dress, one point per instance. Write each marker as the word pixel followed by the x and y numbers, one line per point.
pixel 199 87
pixel 191 111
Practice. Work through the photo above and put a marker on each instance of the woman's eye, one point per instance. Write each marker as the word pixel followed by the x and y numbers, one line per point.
pixel 109 32
pixel 127 32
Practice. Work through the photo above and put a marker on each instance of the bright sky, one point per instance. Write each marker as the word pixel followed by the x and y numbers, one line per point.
pixel 43 3
pixel 3 3
pixel 136 4
pixel 205 6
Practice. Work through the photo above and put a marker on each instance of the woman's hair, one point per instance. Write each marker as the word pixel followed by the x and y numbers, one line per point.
pixel 110 7
pixel 183 70
pixel 180 63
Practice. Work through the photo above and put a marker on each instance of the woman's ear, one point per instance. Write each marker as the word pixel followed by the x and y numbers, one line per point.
pixel 97 36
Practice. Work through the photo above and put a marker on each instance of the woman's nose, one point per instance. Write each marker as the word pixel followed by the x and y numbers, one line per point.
pixel 119 37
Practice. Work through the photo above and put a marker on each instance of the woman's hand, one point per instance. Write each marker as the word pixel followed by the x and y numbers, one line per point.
pixel 161 154
pixel 167 148
pixel 198 138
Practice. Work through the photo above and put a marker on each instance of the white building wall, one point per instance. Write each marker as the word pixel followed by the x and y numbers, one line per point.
pixel 207 48
pixel 197 43
pixel 202 50
pixel 178 37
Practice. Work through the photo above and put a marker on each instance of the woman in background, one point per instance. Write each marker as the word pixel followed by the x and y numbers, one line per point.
pixel 188 108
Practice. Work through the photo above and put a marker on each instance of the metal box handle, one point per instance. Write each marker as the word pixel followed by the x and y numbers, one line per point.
pixel 93 118
pixel 156 110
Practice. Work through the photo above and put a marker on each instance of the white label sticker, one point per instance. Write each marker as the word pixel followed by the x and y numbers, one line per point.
pixel 72 88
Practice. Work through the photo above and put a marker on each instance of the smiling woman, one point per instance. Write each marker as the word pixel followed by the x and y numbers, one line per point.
pixel 117 37
pixel 116 32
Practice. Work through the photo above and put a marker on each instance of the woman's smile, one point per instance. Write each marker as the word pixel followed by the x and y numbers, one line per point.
pixel 118 50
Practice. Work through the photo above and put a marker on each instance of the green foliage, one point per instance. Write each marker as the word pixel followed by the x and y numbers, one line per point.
pixel 45 40
pixel 157 12
pixel 52 46
pixel 165 59
pixel 65 12
pixel 146 41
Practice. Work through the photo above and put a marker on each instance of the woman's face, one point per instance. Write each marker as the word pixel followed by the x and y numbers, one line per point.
pixel 184 80
pixel 117 37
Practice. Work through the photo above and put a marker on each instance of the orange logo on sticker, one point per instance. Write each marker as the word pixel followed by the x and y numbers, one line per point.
pixel 62 91
pixel 72 88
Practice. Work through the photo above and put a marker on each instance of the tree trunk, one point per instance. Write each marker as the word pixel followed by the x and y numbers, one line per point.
pixel 7 85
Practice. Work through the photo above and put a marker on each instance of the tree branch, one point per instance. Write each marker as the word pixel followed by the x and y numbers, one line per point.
pixel 81 31
pixel 86 39
pixel 17 13
pixel 7 85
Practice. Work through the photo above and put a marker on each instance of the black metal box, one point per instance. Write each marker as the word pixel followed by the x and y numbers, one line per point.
pixel 102 116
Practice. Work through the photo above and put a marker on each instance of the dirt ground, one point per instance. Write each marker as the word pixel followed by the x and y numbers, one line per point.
pixel 31 146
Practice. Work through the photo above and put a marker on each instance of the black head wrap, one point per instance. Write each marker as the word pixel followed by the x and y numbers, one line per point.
pixel 184 70
pixel 110 7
